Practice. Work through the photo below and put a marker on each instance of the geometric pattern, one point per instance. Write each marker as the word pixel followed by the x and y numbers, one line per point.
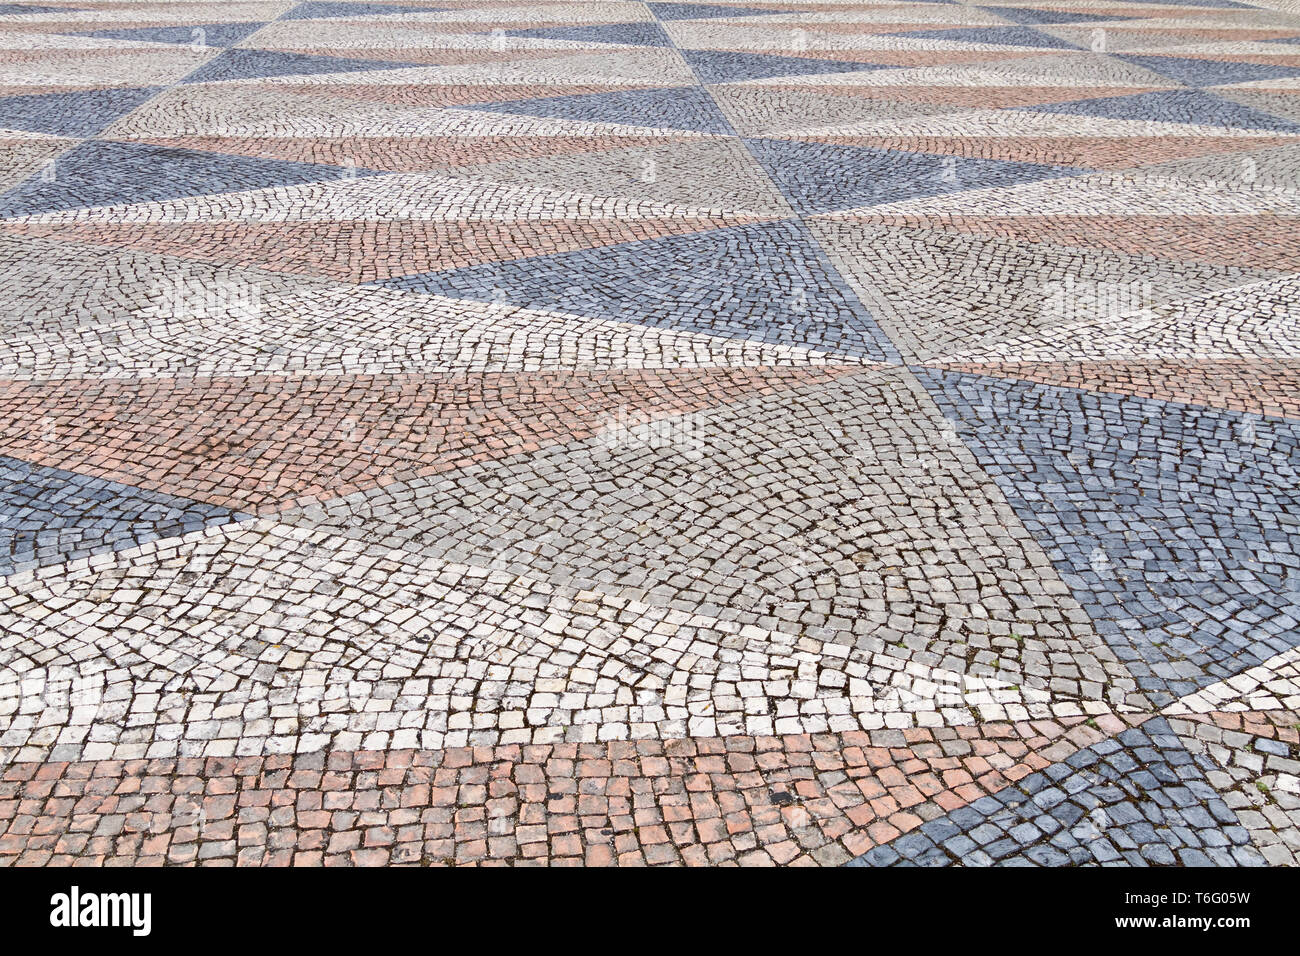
pixel 760 433
pixel 1174 539
pixel 57 516
pixel 722 274
pixel 102 174
pixel 1137 798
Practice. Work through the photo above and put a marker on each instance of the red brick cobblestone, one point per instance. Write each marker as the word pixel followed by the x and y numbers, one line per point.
pixel 259 443
pixel 794 800
pixel 352 250
pixel 1283 725
pixel 1232 241
pixel 619 373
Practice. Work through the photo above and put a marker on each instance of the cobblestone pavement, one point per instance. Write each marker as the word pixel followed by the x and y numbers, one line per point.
pixel 754 432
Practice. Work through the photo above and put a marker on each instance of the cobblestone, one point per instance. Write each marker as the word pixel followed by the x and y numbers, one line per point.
pixel 620 433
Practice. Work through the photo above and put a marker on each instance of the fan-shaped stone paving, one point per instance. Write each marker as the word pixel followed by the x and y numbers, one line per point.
pixel 752 433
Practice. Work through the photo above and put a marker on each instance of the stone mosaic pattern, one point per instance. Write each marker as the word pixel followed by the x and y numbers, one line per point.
pixel 739 433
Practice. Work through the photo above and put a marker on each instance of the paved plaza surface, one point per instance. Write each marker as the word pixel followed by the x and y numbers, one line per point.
pixel 761 433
